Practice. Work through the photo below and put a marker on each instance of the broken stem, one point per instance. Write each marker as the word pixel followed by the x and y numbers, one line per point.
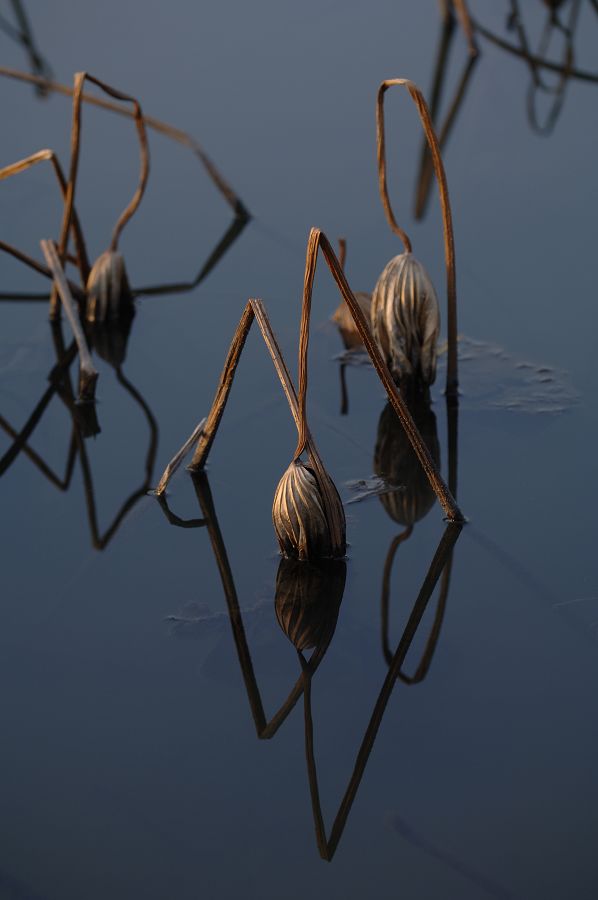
pixel 88 375
pixel 177 459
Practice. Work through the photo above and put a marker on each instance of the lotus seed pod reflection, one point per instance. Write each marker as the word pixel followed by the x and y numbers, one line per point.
pixel 346 323
pixel 406 319
pixel 308 599
pixel 299 516
pixel 395 461
pixel 109 295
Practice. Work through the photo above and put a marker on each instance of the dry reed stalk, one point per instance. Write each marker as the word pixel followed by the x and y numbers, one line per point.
pixel 318 240
pixel 88 375
pixel 328 845
pixel 447 220
pixel 176 134
pixel 48 155
pixel 177 459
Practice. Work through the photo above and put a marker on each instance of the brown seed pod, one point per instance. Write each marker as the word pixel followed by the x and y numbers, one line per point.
pixel 405 319
pixel 346 323
pixel 396 462
pixel 299 516
pixel 308 599
pixel 109 295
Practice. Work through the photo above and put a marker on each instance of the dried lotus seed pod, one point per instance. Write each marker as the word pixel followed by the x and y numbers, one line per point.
pixel 299 516
pixel 308 599
pixel 405 319
pixel 345 322
pixel 109 295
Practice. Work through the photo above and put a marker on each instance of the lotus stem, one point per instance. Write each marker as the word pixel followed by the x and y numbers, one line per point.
pixel 447 219
pixel 318 240
pixel 175 134
pixel 177 459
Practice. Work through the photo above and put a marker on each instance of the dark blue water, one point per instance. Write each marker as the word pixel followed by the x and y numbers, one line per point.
pixel 131 763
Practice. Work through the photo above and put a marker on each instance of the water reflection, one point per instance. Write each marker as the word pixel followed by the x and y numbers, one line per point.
pixel 111 344
pixel 559 29
pixel 22 32
pixel 307 605
pixel 328 845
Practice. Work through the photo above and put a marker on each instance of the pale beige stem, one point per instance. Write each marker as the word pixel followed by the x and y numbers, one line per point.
pixel 447 219
pixel 88 375
pixel 177 459
pixel 175 134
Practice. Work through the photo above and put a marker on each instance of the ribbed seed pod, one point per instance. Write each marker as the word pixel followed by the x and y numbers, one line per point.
pixel 395 461
pixel 308 599
pixel 405 319
pixel 109 295
pixel 345 322
pixel 109 340
pixel 300 519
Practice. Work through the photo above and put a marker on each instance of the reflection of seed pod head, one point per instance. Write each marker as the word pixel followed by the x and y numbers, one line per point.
pixel 345 322
pixel 395 460
pixel 110 340
pixel 109 295
pixel 406 319
pixel 308 599
pixel 300 519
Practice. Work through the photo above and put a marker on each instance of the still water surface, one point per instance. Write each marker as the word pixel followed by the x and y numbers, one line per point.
pixel 134 690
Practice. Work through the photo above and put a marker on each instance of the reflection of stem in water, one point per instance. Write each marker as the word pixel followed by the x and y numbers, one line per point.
pixel 328 846
pixel 24 35
pixel 537 86
pixel 452 411
pixel 426 168
pixel 230 236
pixel 224 244
pixel 265 729
pixel 101 541
pixel 532 59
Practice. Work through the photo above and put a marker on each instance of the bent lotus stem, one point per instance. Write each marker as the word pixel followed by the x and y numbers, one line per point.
pixel 88 375
pixel 318 240
pixel 48 155
pixel 175 134
pixel 447 219
pixel 80 78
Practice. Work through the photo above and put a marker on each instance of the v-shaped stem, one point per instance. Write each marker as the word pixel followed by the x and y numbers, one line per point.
pixel 447 219
pixel 328 846
pixel 318 240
